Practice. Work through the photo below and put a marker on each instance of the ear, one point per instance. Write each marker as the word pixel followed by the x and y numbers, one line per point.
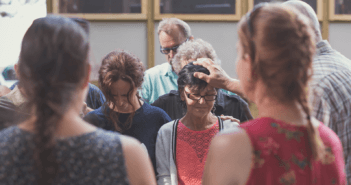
pixel 16 70
pixel 191 38
pixel 182 95
pixel 87 78
pixel 248 65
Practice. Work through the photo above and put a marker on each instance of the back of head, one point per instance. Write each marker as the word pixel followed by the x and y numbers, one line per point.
pixel 122 65
pixel 281 46
pixel 52 66
pixel 307 11
pixel 192 50
pixel 172 25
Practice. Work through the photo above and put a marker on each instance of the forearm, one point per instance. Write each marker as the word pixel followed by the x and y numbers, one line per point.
pixel 233 85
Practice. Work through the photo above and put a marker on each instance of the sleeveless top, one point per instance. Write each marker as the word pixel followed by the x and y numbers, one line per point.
pixel 192 148
pixel 92 158
pixel 282 155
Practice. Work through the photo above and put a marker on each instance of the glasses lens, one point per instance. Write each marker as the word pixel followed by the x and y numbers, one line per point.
pixel 194 96
pixel 164 51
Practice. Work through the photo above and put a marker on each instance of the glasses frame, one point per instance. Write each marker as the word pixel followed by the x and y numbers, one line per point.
pixel 204 97
pixel 174 48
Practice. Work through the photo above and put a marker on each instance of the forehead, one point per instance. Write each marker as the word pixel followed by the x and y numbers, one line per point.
pixel 169 40
pixel 195 89
pixel 120 87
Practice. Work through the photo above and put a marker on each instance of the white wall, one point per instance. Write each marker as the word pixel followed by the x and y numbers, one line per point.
pixel 108 36
pixel 340 37
pixel 221 35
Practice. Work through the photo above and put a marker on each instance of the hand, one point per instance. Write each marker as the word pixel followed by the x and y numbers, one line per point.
pixel 86 109
pixel 218 78
pixel 231 118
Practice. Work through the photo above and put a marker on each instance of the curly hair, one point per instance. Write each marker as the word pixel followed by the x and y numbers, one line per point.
pixel 122 65
pixel 192 50
pixel 281 45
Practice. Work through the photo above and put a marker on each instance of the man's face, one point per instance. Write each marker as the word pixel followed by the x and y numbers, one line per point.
pixel 170 41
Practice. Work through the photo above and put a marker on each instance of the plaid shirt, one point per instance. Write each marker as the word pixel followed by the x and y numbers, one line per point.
pixel 331 95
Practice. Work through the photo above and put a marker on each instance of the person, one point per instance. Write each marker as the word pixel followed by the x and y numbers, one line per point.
pixel 285 144
pixel 161 79
pixel 55 146
pixel 226 105
pixel 95 97
pixel 4 90
pixel 120 76
pixel 330 88
pixel 182 144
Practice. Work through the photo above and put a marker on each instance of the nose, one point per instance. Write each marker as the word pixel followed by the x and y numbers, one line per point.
pixel 171 54
pixel 201 100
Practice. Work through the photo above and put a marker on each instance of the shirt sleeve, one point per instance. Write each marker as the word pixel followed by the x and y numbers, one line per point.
pixel 145 88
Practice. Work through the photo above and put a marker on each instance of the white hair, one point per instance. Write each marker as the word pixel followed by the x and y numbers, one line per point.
pixel 168 25
pixel 192 50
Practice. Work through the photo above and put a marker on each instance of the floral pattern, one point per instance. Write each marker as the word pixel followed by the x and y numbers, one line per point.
pixel 329 157
pixel 289 133
pixel 288 178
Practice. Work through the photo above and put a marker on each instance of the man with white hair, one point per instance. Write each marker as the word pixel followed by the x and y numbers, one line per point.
pixel 161 79
pixel 330 88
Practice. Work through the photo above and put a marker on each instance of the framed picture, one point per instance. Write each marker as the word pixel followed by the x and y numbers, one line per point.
pixel 198 10
pixel 317 5
pixel 102 9
pixel 340 10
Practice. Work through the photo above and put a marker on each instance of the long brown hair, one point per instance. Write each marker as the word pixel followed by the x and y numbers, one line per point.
pixel 52 65
pixel 122 65
pixel 281 46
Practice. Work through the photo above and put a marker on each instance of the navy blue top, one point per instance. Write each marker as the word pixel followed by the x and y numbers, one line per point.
pixel 92 158
pixel 95 97
pixel 145 124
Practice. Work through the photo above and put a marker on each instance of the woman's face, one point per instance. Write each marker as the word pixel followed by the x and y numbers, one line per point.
pixel 243 68
pixel 119 91
pixel 196 102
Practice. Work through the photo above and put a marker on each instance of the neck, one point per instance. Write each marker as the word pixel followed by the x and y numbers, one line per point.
pixel 198 123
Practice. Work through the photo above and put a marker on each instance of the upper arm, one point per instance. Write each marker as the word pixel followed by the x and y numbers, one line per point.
pixel 229 158
pixel 138 164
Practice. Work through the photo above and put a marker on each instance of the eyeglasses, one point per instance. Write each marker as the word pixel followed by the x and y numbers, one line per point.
pixel 174 48
pixel 198 97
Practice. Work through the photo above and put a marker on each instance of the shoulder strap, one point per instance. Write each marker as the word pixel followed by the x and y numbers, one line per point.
pixel 220 123
pixel 174 138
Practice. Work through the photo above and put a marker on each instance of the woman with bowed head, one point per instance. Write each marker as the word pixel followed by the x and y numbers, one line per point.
pixel 55 146
pixel 182 144
pixel 284 145
pixel 120 76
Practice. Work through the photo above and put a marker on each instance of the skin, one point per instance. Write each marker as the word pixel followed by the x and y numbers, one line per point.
pixel 119 90
pixel 198 116
pixel 138 164
pixel 4 90
pixel 230 153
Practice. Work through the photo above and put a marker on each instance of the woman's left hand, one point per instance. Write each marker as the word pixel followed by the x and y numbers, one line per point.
pixel 231 118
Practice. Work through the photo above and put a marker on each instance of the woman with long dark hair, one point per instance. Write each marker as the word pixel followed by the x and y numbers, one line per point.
pixel 120 77
pixel 285 144
pixel 55 146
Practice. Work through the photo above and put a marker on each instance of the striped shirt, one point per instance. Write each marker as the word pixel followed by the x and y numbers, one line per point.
pixel 331 95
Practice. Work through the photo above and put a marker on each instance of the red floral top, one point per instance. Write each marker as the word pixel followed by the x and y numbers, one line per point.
pixel 191 152
pixel 282 155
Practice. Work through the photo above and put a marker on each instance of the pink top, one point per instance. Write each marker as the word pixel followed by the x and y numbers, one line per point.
pixel 282 155
pixel 191 152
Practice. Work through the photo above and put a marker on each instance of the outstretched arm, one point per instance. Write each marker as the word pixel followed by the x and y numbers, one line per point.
pixel 218 77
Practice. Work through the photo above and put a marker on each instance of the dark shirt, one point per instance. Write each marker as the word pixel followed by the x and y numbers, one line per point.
pixel 145 124
pixel 9 113
pixel 95 97
pixel 228 105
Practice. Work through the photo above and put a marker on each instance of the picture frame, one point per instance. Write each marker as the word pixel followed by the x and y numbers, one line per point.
pixel 103 16
pixel 336 16
pixel 199 17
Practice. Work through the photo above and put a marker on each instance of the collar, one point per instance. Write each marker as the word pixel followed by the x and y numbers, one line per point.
pixel 168 71
pixel 322 47
pixel 16 97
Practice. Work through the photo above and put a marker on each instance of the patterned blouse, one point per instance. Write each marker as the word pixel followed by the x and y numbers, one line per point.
pixel 282 155
pixel 191 152
pixel 92 158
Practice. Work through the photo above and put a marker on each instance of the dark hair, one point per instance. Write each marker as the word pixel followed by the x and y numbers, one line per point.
pixel 186 78
pixel 52 65
pixel 83 23
pixel 122 65
pixel 281 45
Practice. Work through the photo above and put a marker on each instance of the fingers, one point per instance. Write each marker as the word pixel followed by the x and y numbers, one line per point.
pixel 202 76
pixel 205 62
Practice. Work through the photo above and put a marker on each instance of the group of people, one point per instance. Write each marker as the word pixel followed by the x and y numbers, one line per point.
pixel 184 121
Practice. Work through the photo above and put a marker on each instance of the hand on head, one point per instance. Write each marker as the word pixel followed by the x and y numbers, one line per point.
pixel 218 77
